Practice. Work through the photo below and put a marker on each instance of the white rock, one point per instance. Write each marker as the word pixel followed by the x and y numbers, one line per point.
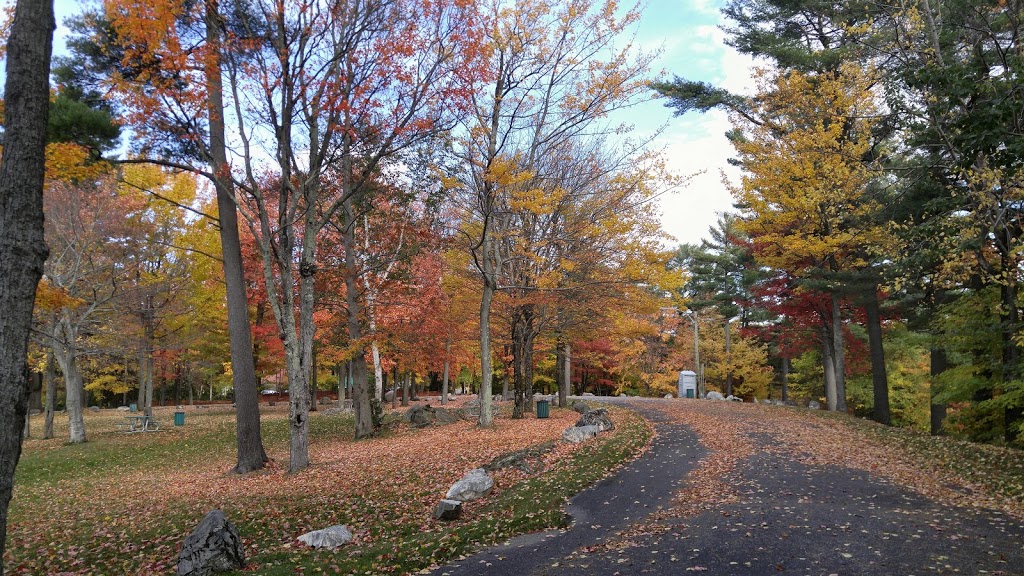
pixel 669 396
pixel 475 484
pixel 329 538
pixel 814 405
pixel 577 434
pixel 732 398
pixel 714 396
pixel 588 394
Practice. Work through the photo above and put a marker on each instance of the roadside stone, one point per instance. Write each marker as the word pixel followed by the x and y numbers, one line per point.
pixel 329 538
pixel 124 408
pixel 389 396
pixel 814 405
pixel 580 407
pixel 475 484
pixel 577 434
pixel 669 396
pixel 598 417
pixel 714 396
pixel 445 416
pixel 732 398
pixel 528 460
pixel 448 510
pixel 214 546
pixel 94 408
pixel 420 416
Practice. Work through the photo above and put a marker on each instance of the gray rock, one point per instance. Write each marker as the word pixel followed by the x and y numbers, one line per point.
pixel 598 417
pixel 94 408
pixel 580 407
pixel 420 416
pixel 667 396
pixel 587 394
pixel 577 434
pixel 448 510
pixel 389 395
pixel 732 398
pixel 787 403
pixel 329 538
pixel 814 405
pixel 475 484
pixel 214 546
pixel 714 396
pixel 123 408
pixel 445 416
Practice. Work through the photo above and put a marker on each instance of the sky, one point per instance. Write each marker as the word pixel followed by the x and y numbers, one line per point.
pixel 692 46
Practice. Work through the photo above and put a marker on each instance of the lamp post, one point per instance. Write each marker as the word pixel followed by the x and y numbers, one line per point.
pixel 692 314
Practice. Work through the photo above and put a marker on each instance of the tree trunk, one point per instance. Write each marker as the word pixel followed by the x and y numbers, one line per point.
pixel 879 378
pixel 827 361
pixel 312 382
pixel 251 454
pixel 405 388
pixel 518 366
pixel 50 381
pixel 839 352
pixel 938 365
pixel 728 360
pixel 1010 317
pixel 785 379
pixel 559 374
pixel 22 246
pixel 485 340
pixel 567 382
pixel 447 362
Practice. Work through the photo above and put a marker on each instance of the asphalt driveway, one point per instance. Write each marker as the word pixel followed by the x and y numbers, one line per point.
pixel 786 517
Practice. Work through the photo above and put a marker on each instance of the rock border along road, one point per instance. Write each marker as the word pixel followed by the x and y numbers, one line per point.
pixel 786 517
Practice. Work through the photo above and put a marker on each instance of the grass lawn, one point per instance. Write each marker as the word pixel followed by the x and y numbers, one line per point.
pixel 122 503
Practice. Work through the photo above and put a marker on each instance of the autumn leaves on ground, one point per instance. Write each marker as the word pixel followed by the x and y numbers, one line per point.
pixel 124 502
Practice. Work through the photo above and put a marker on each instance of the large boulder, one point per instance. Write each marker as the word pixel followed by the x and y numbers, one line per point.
pixel 448 510
pixel 732 398
pixel 580 407
pixel 577 434
pixel 445 416
pixel 329 538
pixel 714 395
pixel 475 484
pixel 420 416
pixel 598 417
pixel 214 546
pixel 814 405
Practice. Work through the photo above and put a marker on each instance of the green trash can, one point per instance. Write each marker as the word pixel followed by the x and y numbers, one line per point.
pixel 133 407
pixel 543 408
pixel 689 392
pixel 179 418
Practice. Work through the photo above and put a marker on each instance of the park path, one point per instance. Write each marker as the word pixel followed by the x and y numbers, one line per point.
pixel 745 501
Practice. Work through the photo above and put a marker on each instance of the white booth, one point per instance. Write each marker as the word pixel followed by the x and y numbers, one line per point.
pixel 687 384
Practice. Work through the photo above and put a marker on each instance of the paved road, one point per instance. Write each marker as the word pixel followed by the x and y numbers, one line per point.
pixel 788 517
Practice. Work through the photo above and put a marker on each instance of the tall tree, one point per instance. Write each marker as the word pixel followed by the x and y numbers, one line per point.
pixel 22 248
pixel 179 123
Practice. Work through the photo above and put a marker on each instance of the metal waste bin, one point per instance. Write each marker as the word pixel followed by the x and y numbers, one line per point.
pixel 179 418
pixel 543 408
pixel 133 407
pixel 689 392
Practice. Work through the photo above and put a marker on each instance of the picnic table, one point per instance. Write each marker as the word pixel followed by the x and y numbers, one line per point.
pixel 139 424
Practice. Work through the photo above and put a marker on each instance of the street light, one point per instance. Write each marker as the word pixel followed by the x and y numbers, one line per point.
pixel 692 314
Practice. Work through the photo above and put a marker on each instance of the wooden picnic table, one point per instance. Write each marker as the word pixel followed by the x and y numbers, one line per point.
pixel 140 424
